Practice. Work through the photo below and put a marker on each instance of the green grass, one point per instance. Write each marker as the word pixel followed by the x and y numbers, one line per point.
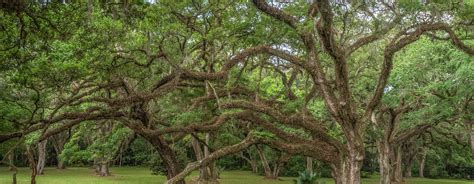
pixel 136 175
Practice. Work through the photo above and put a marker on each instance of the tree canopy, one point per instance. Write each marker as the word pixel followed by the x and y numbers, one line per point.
pixel 320 79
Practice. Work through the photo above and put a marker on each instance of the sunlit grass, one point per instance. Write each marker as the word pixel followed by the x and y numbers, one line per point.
pixel 137 175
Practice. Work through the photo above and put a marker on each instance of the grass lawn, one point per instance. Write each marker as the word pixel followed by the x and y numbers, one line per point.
pixel 135 175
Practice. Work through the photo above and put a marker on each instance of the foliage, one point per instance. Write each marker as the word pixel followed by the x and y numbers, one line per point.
pixel 307 177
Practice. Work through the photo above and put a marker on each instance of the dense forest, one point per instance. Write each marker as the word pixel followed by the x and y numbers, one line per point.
pixel 315 88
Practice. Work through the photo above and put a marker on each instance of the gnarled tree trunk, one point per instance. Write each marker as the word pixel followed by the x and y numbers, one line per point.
pixel 32 164
pixel 41 157
pixel 397 176
pixel 211 168
pixel 384 161
pixel 349 171
pixel 266 167
pixel 205 172
pixel 282 160
pixel 169 157
pixel 251 160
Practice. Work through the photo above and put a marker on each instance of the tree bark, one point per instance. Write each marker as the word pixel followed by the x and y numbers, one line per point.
pixel 347 171
pixel 397 176
pixel 282 160
pixel 104 168
pixel 58 141
pixel 212 157
pixel 251 160
pixel 96 166
pixel 309 164
pixel 12 166
pixel 213 175
pixel 408 166
pixel 61 164
pixel 32 164
pixel 253 164
pixel 11 159
pixel 204 174
pixel 422 164
pixel 169 157
pixel 266 167
pixel 409 152
pixel 14 177
pixel 41 157
pixel 384 162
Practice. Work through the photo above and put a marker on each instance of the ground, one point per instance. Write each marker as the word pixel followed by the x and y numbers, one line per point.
pixel 127 175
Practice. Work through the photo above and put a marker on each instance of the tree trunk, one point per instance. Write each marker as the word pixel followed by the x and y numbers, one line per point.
pixel 61 164
pixel 384 162
pixel 279 164
pixel 11 159
pixel 58 142
pixel 251 160
pixel 170 160
pixel 41 157
pixel 409 151
pixel 309 164
pixel 253 164
pixel 347 171
pixel 408 167
pixel 96 166
pixel 104 168
pixel 397 176
pixel 213 174
pixel 266 166
pixel 422 164
pixel 14 177
pixel 203 172
pixel 32 164
pixel 12 166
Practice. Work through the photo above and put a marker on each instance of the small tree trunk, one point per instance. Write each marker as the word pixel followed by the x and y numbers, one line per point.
pixel 253 164
pixel 58 142
pixel 203 172
pixel 397 176
pixel 11 159
pixel 12 166
pixel 309 164
pixel 409 151
pixel 408 167
pixel 14 177
pixel 266 166
pixel 97 166
pixel 422 164
pixel 279 164
pixel 213 173
pixel 61 164
pixel 104 168
pixel 384 162
pixel 32 163
pixel 251 160
pixel 41 157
